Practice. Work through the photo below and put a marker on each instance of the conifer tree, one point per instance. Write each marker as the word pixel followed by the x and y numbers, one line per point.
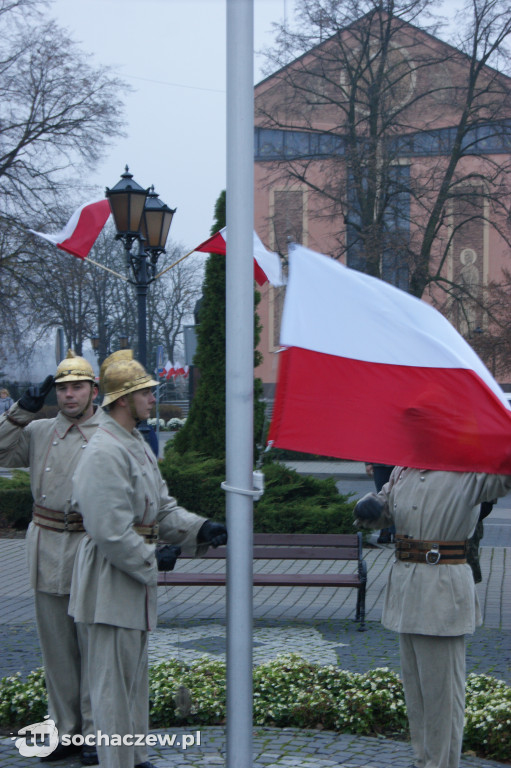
pixel 204 430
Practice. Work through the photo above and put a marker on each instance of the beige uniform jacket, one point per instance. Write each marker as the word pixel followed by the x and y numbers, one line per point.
pixel 433 505
pixel 51 448
pixel 119 485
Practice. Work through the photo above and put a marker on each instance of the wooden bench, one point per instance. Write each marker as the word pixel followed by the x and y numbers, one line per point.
pixel 290 546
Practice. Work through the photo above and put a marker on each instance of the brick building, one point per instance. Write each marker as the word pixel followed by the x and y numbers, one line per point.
pixel 319 158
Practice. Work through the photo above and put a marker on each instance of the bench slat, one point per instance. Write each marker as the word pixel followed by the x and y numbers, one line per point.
pixel 263 579
pixel 289 547
pixel 273 551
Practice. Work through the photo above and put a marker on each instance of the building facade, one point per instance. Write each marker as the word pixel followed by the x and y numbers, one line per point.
pixel 394 159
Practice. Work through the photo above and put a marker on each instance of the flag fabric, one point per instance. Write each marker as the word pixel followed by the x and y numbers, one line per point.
pixel 267 266
pixel 82 229
pixel 171 370
pixel 371 373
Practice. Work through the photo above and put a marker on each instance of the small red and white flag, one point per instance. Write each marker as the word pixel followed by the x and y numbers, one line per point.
pixel 168 371
pixel 82 229
pixel 371 373
pixel 267 267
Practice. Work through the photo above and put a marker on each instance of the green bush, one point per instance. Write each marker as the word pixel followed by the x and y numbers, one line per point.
pixel 194 480
pixel 488 717
pixel 291 503
pixel 15 501
pixel 291 692
pixel 23 701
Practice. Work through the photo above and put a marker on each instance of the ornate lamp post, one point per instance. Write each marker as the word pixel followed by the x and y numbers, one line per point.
pixel 140 215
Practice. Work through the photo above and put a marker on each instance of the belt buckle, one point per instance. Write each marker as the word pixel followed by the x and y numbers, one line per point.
pixel 433 552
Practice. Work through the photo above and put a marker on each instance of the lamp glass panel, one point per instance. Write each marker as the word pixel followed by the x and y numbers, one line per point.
pixel 137 208
pixel 127 208
pixel 119 207
pixel 167 220
pixel 153 227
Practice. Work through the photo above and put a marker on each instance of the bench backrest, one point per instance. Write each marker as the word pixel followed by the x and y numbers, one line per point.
pixel 301 546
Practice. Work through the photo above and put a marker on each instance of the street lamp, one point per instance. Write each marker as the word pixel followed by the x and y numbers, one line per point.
pixel 101 344
pixel 140 215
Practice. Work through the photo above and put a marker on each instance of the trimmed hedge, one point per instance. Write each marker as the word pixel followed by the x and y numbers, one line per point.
pixel 291 503
pixel 15 501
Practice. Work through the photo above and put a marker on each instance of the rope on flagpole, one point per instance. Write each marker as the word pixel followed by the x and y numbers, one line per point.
pixel 173 265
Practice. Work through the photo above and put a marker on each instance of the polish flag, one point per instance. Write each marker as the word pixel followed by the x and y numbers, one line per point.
pixel 371 373
pixel 166 368
pixel 267 266
pixel 180 371
pixel 169 370
pixel 82 229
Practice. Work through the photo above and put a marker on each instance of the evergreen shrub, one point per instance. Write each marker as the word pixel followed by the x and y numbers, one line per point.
pixel 15 501
pixel 291 503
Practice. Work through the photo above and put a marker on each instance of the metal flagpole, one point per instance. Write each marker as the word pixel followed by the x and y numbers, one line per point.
pixel 239 378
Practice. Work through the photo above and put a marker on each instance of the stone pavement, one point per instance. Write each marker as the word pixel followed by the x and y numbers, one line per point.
pixel 314 622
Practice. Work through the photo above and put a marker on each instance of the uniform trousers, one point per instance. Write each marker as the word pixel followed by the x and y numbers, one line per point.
pixel 119 689
pixel 433 671
pixel 65 665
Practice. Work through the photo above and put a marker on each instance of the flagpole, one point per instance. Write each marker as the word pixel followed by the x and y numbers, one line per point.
pixel 97 264
pixel 239 378
pixel 173 264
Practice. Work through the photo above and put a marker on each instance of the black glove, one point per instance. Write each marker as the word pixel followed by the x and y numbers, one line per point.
pixel 33 399
pixel 166 557
pixel 368 509
pixel 214 534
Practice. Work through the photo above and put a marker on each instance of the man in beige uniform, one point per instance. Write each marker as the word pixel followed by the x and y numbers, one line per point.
pixel 430 597
pixel 126 508
pixel 52 449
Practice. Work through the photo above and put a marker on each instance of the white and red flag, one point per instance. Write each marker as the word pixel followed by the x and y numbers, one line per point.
pixel 82 229
pixel 371 373
pixel 267 266
pixel 168 371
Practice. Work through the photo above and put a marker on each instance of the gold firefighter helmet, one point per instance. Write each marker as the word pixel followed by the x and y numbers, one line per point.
pixel 74 368
pixel 123 376
pixel 121 354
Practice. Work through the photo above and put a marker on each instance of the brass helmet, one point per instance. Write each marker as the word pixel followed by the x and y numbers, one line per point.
pixel 122 376
pixel 121 354
pixel 74 368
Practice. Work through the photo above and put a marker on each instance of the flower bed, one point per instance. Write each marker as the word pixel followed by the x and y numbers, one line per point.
pixel 294 693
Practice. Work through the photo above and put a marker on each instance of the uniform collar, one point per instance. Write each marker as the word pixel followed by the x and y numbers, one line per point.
pixel 63 425
pixel 133 441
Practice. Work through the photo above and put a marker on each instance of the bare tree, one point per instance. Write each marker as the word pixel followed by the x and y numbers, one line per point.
pixel 57 115
pixel 57 111
pixel 171 302
pixel 403 142
pixel 87 300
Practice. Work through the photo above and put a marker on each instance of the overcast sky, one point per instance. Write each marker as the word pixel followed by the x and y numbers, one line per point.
pixel 172 52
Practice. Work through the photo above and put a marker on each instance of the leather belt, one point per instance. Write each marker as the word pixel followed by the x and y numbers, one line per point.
pixel 53 520
pixel 72 522
pixel 149 532
pixel 431 552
